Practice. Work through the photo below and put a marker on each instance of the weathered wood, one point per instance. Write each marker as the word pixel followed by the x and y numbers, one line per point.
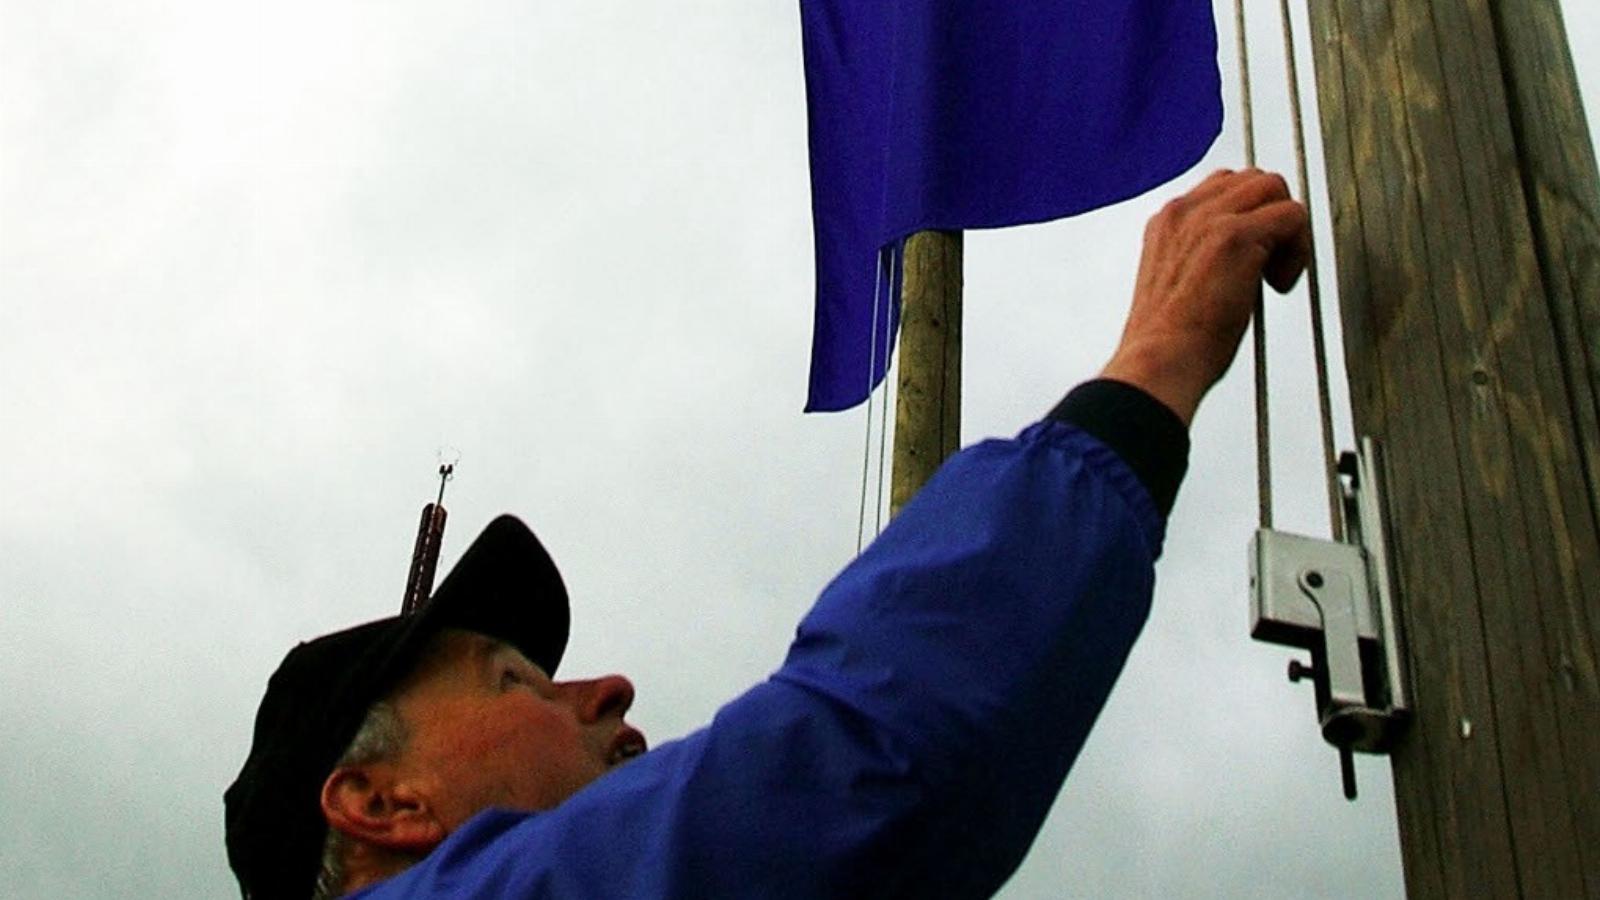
pixel 1464 198
pixel 927 422
pixel 1562 190
pixel 1553 138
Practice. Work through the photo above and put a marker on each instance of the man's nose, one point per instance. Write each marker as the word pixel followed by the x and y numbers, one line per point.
pixel 596 698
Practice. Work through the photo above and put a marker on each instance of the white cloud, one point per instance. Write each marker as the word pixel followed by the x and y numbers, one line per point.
pixel 260 262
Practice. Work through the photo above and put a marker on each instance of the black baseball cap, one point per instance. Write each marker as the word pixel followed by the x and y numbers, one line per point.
pixel 504 586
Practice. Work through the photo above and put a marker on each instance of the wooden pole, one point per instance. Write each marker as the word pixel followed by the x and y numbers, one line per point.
pixel 927 421
pixel 1466 217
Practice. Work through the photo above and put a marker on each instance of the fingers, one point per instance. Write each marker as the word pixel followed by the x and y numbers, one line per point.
pixel 1200 272
pixel 1226 190
pixel 1249 213
pixel 1215 184
pixel 1281 228
pixel 1249 190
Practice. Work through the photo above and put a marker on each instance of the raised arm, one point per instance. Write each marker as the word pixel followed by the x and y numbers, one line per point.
pixel 935 697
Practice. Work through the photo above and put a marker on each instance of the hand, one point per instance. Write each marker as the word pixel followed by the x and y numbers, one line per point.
pixel 1205 256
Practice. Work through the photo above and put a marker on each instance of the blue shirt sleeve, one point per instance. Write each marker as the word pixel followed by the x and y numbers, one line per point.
pixel 914 738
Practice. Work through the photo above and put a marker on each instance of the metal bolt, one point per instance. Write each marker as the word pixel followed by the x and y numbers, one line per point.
pixel 1314 578
pixel 1348 465
pixel 1299 670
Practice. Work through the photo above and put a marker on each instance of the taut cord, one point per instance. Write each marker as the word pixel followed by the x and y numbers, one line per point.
pixel 1318 345
pixel 1263 425
pixel 895 263
pixel 872 365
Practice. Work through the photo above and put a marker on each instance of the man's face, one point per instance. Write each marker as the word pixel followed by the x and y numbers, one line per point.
pixel 488 728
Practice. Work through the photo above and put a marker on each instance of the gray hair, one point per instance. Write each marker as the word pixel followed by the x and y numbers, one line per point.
pixel 382 736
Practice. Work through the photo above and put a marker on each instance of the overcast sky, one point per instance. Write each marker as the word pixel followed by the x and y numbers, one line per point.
pixel 261 264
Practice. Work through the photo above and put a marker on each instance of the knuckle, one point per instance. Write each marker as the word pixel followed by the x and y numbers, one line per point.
pixel 1226 240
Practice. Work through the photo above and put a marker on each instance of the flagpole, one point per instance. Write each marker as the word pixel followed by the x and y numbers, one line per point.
pixel 1465 196
pixel 927 422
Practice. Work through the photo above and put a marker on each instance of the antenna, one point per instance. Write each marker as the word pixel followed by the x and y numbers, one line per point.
pixel 425 554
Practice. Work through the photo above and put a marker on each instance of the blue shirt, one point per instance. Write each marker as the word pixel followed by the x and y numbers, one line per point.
pixel 917 732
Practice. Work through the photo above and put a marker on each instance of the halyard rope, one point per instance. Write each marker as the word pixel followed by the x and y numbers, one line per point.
pixel 1259 331
pixel 872 365
pixel 1313 288
pixel 895 262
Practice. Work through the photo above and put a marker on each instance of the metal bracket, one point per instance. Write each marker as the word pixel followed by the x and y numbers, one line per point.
pixel 1337 600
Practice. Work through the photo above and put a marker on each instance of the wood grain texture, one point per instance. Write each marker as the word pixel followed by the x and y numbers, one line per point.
pixel 1463 195
pixel 927 424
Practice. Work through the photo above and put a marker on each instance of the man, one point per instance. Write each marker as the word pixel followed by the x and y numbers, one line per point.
pixel 911 743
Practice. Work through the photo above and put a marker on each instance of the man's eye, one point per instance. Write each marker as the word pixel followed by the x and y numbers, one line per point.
pixel 511 678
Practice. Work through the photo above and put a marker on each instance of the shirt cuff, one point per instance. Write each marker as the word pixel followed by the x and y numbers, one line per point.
pixel 1148 436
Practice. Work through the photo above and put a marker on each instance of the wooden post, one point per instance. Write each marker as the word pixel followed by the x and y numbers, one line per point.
pixel 1466 216
pixel 927 421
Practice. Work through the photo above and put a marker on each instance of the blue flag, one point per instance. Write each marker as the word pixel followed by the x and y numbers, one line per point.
pixel 957 114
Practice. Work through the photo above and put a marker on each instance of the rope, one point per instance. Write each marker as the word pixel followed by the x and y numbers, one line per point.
pixel 1246 106
pixel 1263 426
pixel 1319 347
pixel 883 420
pixel 872 365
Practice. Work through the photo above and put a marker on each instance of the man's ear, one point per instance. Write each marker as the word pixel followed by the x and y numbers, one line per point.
pixel 370 804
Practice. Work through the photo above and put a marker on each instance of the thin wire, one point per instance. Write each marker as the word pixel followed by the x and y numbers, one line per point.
pixel 883 437
pixel 1263 426
pixel 1247 107
pixel 1319 346
pixel 872 365
pixel 447 471
pixel 883 420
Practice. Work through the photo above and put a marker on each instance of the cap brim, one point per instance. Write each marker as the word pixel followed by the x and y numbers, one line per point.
pixel 505 586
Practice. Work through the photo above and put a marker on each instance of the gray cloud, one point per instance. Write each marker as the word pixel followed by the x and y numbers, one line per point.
pixel 259 265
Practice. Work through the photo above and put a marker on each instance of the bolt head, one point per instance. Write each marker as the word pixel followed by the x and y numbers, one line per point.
pixel 1348 464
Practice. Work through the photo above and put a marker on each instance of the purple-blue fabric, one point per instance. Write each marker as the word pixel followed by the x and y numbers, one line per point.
pixel 960 114
pixel 915 736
